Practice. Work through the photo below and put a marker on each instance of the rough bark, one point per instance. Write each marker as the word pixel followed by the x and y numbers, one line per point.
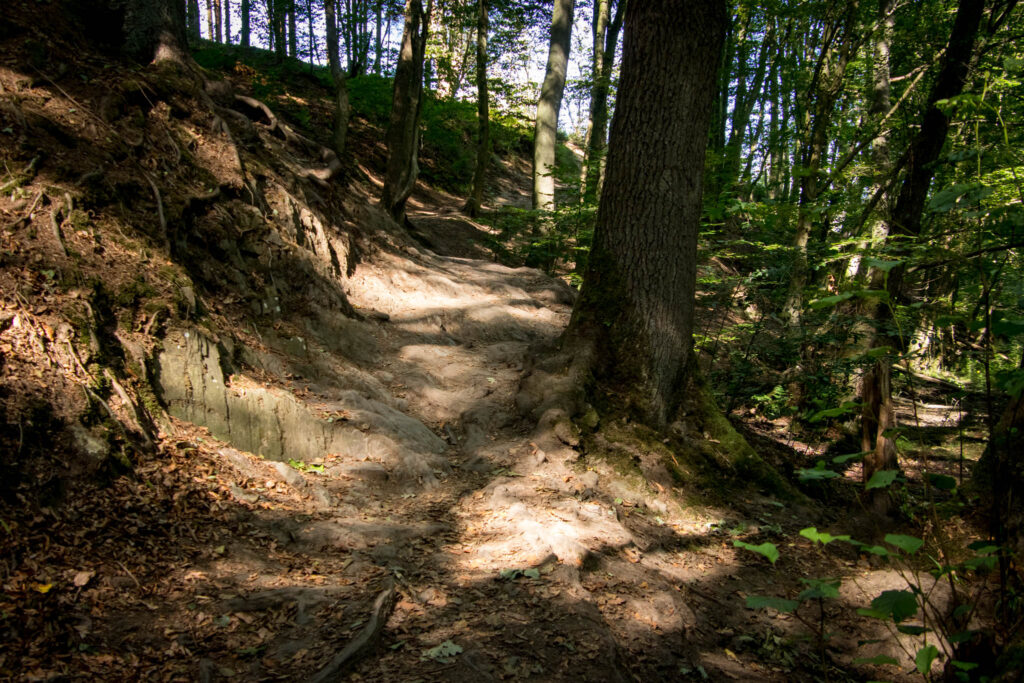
pixel 154 30
pixel 549 104
pixel 483 149
pixel 402 137
pixel 636 308
pixel 218 18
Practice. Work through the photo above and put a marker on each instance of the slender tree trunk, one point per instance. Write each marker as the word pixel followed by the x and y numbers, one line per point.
pixel 218 16
pixel 331 22
pixel 293 41
pixel 311 36
pixel 606 39
pixel 378 58
pixel 548 106
pixel 210 23
pixel 227 21
pixel 403 129
pixel 483 150
pixel 924 151
pixel 246 27
pixel 636 308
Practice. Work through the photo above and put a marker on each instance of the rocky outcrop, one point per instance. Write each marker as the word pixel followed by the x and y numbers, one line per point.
pixel 195 383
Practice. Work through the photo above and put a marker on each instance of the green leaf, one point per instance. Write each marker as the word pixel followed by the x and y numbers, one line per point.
pixel 531 573
pixel 442 653
pixel 509 574
pixel 895 605
pixel 763 601
pixel 830 300
pixel 877 660
pixel 907 544
pixel 884 266
pixel 819 589
pixel 925 656
pixel 840 459
pixel 875 550
pixel 814 536
pixel 768 550
pixel 913 630
pixel 881 479
pixel 964 666
pixel 942 482
pixel 845 409
pixel 816 473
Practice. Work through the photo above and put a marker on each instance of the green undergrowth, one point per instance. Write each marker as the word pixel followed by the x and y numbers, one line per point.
pixel 448 126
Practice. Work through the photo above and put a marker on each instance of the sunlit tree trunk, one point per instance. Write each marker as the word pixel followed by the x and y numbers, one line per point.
pixel 549 104
pixel 331 22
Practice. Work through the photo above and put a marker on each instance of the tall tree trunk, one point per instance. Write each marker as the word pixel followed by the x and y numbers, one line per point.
pixel 194 32
pixel 378 46
pixel 924 151
pixel 331 21
pixel 483 150
pixel 311 36
pixel 293 40
pixel 402 137
pixel 227 21
pixel 218 16
pixel 635 312
pixel 549 104
pixel 606 38
pixel 210 23
pixel 246 27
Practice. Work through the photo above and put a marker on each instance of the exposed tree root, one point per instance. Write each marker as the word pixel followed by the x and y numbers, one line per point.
pixel 367 639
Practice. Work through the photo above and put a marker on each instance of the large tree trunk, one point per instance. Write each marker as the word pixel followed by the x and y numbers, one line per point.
pixel 876 389
pixel 636 308
pixel 403 128
pixel 549 104
pixel 218 17
pixel 606 38
pixel 154 30
pixel 483 150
